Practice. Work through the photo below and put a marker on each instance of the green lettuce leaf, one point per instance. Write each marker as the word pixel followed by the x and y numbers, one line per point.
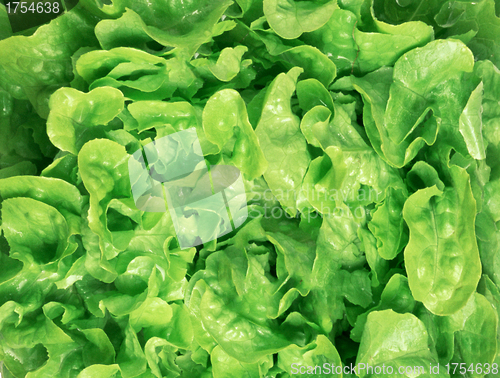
pixel 289 18
pixel 442 233
pixel 85 116
pixel 233 134
pixel 41 63
pixel 281 141
pixel 382 345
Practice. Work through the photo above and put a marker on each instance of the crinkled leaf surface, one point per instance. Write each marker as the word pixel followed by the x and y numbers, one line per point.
pixel 442 235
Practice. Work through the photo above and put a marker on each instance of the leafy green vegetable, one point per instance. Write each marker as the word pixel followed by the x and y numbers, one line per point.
pixel 290 18
pixel 441 257
pixel 358 220
pixel 232 132
pixel 382 344
pixel 41 63
pixel 387 223
pixel 282 142
pixel 83 114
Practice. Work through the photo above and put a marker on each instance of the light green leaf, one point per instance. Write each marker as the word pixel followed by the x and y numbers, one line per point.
pixel 225 121
pixel 321 352
pixel 228 64
pixel 76 117
pixel 225 366
pixel 475 338
pixel 103 371
pixel 374 88
pixel 471 124
pixel 387 223
pixel 281 141
pixel 420 83
pixel 103 167
pixel 442 258
pixel 36 232
pixel 383 344
pixel 289 18
pixel 41 63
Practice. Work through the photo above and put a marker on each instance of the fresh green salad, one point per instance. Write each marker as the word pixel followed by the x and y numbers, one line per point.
pixel 366 134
